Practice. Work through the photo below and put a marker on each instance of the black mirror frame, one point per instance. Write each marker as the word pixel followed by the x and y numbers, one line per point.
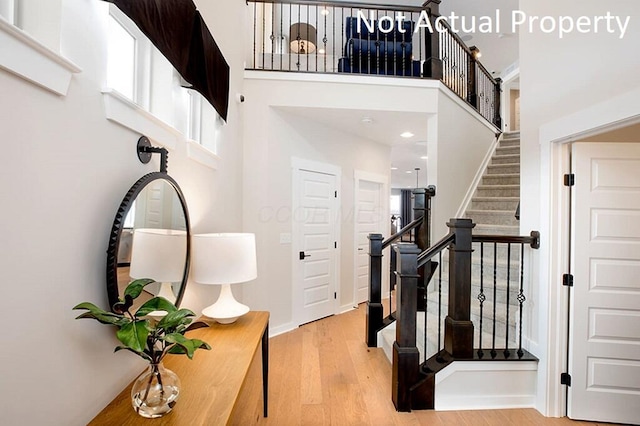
pixel 116 232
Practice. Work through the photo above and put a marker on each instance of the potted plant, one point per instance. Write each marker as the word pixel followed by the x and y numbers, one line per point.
pixel 155 391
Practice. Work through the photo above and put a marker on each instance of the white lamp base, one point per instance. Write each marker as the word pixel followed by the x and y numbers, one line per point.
pixel 227 309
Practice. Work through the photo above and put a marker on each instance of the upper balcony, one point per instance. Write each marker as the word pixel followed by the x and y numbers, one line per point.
pixel 311 36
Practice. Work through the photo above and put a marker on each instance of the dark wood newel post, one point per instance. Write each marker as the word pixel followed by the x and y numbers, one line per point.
pixel 406 358
pixel 432 67
pixel 458 328
pixel 497 119
pixel 374 304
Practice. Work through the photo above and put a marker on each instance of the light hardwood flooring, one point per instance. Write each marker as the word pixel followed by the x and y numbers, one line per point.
pixel 323 374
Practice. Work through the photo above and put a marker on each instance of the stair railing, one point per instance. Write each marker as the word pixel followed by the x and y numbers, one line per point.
pixel 421 227
pixel 413 385
pixel 278 44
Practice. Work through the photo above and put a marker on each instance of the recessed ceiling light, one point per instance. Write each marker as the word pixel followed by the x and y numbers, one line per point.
pixel 321 51
pixel 424 157
pixel 394 168
pixel 367 120
pixel 324 12
pixel 408 172
pixel 406 135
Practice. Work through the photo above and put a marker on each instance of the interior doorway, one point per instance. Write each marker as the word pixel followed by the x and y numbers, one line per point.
pixel 370 217
pixel 315 236
pixel 604 338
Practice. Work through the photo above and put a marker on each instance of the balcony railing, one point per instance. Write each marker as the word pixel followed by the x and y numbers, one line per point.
pixel 371 39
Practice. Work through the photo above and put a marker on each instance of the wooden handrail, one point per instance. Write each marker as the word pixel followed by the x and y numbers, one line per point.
pixel 401 232
pixel 533 239
pixel 426 255
pixel 346 5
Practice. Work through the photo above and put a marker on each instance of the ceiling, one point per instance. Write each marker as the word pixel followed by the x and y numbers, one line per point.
pixel 383 127
pixel 499 51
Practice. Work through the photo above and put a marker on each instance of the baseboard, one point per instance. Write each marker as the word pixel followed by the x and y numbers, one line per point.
pixel 275 331
pixel 474 385
pixel 346 308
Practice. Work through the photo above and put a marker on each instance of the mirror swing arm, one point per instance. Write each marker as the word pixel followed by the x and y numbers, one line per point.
pixel 144 151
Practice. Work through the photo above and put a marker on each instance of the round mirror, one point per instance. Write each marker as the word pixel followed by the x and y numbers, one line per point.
pixel 150 238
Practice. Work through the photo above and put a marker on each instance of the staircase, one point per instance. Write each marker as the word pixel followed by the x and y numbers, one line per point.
pixel 494 204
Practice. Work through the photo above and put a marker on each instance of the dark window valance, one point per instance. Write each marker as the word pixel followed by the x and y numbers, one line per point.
pixel 177 29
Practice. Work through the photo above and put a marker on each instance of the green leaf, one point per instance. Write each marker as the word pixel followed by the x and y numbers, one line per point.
pixel 135 287
pixel 196 325
pixel 174 319
pixel 134 335
pixel 100 315
pixel 156 304
pixel 188 346
pixel 177 349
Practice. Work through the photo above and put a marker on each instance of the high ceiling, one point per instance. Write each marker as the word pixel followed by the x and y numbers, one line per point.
pixel 499 51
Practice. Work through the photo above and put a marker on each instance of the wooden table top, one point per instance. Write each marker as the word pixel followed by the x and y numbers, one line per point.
pixel 210 383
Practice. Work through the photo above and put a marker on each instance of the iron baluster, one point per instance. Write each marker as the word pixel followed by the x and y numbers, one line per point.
pixel 481 298
pixel 495 287
pixel 507 353
pixel 521 299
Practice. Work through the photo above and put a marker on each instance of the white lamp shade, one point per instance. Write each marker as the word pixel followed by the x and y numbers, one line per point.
pixel 226 258
pixel 159 254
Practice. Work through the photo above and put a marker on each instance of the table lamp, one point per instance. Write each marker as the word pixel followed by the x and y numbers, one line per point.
pixel 224 259
pixel 159 254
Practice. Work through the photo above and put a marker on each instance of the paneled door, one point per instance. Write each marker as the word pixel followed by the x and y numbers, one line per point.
pixel 605 323
pixel 315 232
pixel 370 218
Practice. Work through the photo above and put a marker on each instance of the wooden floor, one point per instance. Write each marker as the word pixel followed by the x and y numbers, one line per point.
pixel 323 374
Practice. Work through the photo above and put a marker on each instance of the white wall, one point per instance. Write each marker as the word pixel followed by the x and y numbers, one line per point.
pixel 273 135
pixel 559 78
pixel 64 171
pixel 460 147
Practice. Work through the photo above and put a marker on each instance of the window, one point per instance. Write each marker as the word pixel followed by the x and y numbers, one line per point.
pixel 139 73
pixel 121 64
pixel 8 11
pixel 30 40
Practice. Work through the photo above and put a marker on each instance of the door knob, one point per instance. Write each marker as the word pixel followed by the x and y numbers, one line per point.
pixel 302 255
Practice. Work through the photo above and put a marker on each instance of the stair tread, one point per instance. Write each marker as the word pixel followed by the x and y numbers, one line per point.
pixel 490 211
pixel 495 198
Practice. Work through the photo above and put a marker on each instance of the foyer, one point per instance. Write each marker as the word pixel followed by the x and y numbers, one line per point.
pixel 326 375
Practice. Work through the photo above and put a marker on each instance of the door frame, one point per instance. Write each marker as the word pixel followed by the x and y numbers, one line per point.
pixel 298 165
pixel 385 193
pixel 555 152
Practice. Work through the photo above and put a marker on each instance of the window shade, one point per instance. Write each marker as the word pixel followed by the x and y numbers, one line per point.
pixel 177 29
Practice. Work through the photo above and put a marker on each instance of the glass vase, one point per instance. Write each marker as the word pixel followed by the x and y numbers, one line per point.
pixel 155 391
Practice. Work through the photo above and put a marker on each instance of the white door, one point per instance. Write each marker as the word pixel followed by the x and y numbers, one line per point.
pixel 605 324
pixel 315 230
pixel 370 218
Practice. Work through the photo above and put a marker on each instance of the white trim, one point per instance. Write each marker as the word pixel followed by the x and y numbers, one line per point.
pixel 29 59
pixel 342 78
pixel 478 177
pixel 554 136
pixel 463 385
pixel 297 165
pixel 281 329
pixel 350 79
pixel 347 308
pixel 202 155
pixel 119 109
pixel 359 175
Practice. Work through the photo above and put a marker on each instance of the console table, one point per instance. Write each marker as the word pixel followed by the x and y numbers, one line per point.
pixel 211 382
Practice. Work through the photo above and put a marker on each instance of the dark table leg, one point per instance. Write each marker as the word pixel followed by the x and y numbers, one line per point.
pixel 265 368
